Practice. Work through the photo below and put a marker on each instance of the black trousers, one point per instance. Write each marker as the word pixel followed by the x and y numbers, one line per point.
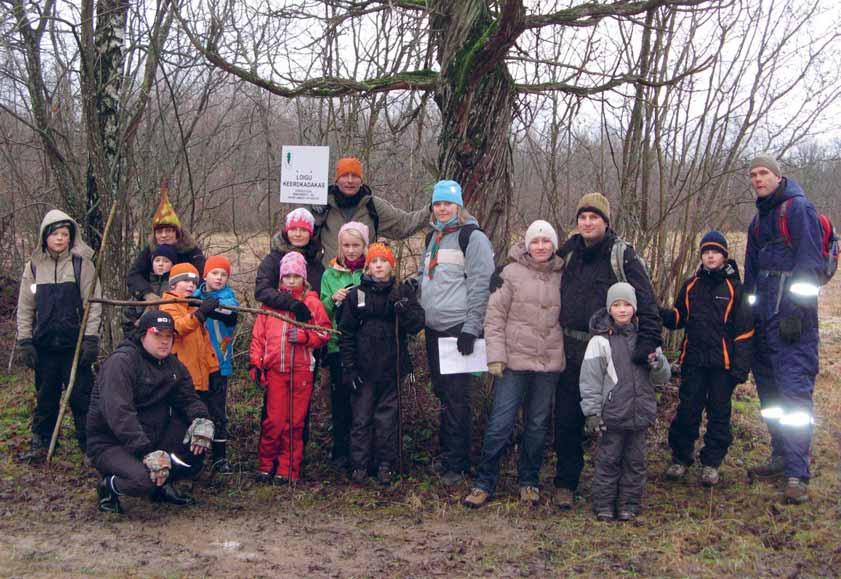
pixel 373 436
pixel 702 389
pixel 340 407
pixel 454 391
pixel 52 375
pixel 216 400
pixel 619 480
pixel 131 477
pixel 569 426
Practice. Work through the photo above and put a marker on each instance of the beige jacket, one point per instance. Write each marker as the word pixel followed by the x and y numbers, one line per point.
pixel 521 325
pixel 50 271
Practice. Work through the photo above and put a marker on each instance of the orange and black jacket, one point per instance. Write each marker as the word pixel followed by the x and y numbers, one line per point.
pixel 711 306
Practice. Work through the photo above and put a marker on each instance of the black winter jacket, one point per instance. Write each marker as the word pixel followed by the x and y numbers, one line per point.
pixel 140 272
pixel 268 274
pixel 587 277
pixel 133 398
pixel 367 345
pixel 711 307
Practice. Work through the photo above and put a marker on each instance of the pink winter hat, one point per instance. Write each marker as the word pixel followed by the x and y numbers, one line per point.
pixel 360 228
pixel 300 217
pixel 293 263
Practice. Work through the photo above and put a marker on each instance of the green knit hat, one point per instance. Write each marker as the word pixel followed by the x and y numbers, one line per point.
pixel 595 202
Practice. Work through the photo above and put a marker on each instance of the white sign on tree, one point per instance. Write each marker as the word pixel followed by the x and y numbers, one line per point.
pixel 303 175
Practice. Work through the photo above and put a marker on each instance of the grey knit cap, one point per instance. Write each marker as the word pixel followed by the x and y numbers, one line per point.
pixel 768 161
pixel 621 291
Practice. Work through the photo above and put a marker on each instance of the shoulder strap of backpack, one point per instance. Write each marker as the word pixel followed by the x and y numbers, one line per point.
pixel 782 221
pixel 617 259
pixel 372 213
pixel 464 235
pixel 77 270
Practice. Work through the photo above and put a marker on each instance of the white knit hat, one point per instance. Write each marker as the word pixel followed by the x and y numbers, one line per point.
pixel 541 228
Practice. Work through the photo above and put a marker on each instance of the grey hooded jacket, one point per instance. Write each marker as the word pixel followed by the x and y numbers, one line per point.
pixel 611 384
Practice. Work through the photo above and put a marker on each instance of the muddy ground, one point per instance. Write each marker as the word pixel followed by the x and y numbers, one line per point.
pixel 49 525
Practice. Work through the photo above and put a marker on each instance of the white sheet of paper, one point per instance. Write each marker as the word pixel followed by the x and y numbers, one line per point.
pixel 452 362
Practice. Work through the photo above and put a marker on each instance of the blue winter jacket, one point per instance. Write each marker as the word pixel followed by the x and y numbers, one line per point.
pixel 221 334
pixel 772 264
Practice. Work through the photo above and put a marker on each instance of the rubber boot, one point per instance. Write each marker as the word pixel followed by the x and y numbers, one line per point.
pixel 220 460
pixel 109 500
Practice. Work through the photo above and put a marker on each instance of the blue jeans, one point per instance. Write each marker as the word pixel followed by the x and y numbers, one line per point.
pixel 534 390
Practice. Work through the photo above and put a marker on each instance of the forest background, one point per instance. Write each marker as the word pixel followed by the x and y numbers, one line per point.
pixel 529 104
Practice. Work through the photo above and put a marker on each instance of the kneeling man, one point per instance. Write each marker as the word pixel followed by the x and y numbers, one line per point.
pixel 147 426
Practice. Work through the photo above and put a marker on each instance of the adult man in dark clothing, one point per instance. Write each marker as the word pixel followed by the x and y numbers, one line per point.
pixel 142 404
pixel 588 273
pixel 783 271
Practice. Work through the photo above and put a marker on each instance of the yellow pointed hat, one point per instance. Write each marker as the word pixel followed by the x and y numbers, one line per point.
pixel 165 214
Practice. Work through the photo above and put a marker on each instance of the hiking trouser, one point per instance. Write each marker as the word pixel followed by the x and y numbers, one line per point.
pixel 619 480
pixel 273 453
pixel 373 436
pixel 341 414
pixel 52 375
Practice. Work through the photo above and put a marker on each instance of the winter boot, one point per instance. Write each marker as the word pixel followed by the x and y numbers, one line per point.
pixel 626 516
pixel 677 471
pixel 605 516
pixel 109 501
pixel 220 460
pixel 563 498
pixel 451 477
pixel 797 491
pixel 773 469
pixel 168 494
pixel 530 495
pixel 359 476
pixel 37 450
pixel 710 476
pixel 476 498
pixel 384 475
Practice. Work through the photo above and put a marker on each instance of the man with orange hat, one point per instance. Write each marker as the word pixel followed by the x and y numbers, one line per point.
pixel 349 199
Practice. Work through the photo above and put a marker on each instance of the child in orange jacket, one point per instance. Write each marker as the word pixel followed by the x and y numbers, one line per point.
pixel 282 353
pixel 192 342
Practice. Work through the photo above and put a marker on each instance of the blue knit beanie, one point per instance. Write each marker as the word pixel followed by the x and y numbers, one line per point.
pixel 715 240
pixel 447 191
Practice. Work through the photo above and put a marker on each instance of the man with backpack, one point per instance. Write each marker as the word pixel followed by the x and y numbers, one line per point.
pixel 349 199
pixel 784 268
pixel 596 258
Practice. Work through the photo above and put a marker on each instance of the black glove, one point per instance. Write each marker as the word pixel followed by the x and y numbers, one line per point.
pixel 642 351
pixel 207 306
pixel 496 281
pixel 28 355
pixel 224 315
pixel 738 376
pixel 351 379
pixel 790 329
pixel 301 311
pixel 90 350
pixel 401 305
pixel 465 342
pixel 409 287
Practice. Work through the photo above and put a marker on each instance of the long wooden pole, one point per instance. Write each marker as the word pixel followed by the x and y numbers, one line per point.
pixel 85 314
pixel 197 301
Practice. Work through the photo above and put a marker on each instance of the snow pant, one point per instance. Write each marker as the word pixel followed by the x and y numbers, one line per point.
pixel 454 392
pixel 619 480
pixel 569 419
pixel 131 477
pixel 373 436
pixel 702 388
pixel 273 453
pixel 340 408
pixel 52 375
pixel 216 400
pixel 533 391
pixel 785 380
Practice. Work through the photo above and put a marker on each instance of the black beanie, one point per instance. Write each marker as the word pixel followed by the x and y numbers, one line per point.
pixel 715 240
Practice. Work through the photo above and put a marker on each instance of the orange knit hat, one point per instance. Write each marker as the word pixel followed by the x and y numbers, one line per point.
pixel 216 262
pixel 380 250
pixel 348 165
pixel 183 272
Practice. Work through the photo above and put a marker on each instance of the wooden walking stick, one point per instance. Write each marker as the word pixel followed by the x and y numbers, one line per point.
pixel 85 314
pixel 397 385
pixel 291 406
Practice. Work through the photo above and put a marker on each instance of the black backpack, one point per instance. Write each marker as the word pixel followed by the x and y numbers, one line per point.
pixel 77 270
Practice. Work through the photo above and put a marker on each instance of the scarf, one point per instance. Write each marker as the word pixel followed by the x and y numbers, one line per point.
pixel 441 229
pixel 355 264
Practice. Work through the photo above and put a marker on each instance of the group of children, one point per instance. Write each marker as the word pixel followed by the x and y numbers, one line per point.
pixel 359 295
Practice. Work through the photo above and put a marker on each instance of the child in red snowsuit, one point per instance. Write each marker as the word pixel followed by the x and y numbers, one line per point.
pixel 280 353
